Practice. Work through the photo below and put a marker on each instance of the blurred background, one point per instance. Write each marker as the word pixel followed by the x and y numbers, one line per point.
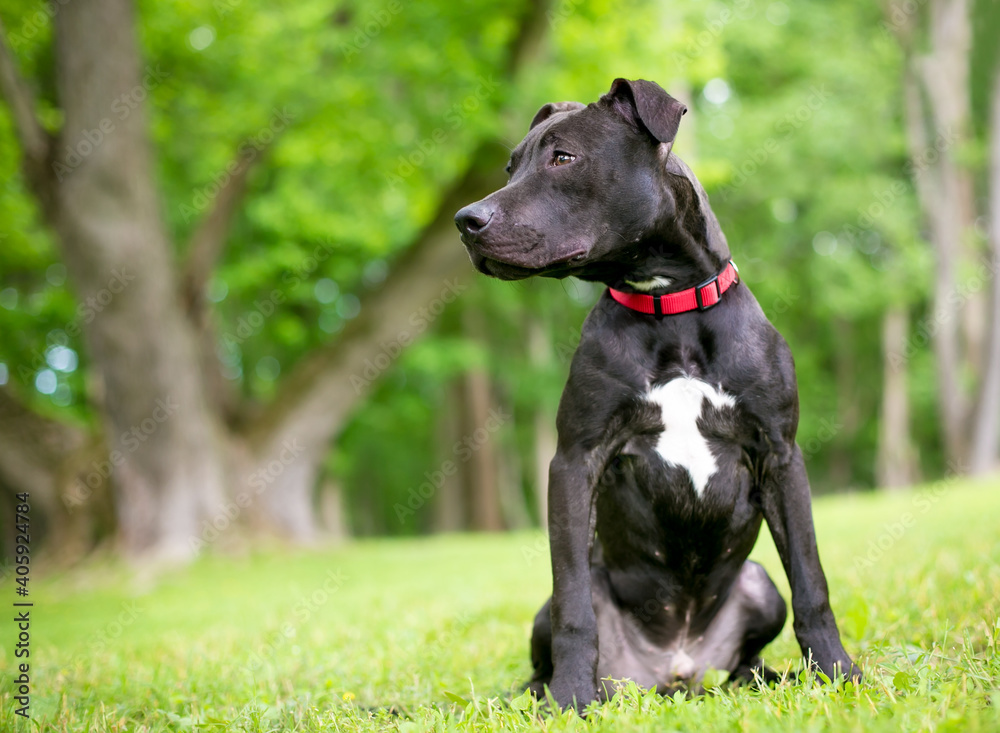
pixel 234 306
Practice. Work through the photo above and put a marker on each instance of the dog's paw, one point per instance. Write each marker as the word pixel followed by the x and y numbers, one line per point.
pixel 842 668
pixel 755 674
pixel 536 688
pixel 576 694
pixel 852 672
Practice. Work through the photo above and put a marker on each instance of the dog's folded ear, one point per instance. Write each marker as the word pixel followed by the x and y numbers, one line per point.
pixel 645 105
pixel 554 108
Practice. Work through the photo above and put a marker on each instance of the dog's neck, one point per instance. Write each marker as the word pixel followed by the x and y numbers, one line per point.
pixel 684 249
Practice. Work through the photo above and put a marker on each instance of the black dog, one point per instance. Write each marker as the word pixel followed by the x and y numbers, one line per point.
pixel 677 426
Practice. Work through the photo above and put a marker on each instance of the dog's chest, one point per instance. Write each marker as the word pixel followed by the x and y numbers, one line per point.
pixel 689 409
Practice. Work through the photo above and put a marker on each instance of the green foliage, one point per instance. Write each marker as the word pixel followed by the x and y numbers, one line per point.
pixel 438 628
pixel 361 113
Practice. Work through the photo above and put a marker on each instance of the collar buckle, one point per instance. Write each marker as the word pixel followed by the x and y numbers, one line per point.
pixel 699 298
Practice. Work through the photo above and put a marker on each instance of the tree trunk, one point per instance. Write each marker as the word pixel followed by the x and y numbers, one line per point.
pixel 323 389
pixel 986 430
pixel 510 478
pixel 945 191
pixel 60 468
pixel 449 502
pixel 945 75
pixel 96 189
pixel 540 353
pixel 479 469
pixel 161 438
pixel 841 472
pixel 332 512
pixel 896 460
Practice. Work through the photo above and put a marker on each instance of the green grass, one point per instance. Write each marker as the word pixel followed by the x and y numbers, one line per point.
pixel 439 628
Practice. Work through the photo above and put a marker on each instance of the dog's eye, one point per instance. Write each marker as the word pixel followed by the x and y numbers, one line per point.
pixel 560 158
pixel 507 169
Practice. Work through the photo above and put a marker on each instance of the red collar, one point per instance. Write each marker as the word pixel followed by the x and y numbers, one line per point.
pixel 700 297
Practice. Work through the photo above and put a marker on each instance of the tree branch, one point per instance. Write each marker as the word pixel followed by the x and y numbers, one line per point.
pixel 208 241
pixel 321 382
pixel 324 387
pixel 209 238
pixel 204 251
pixel 36 143
pixel 526 44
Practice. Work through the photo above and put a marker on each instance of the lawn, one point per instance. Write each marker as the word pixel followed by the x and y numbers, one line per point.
pixel 326 639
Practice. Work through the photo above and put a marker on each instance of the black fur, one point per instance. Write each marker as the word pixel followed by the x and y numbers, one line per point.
pixel 666 591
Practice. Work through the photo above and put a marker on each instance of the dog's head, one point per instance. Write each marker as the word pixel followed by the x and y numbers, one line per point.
pixel 587 184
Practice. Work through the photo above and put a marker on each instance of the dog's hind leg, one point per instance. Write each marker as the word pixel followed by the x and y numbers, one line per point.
pixel 765 613
pixel 541 651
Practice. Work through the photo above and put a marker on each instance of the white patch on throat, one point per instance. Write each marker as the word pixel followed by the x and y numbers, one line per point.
pixel 651 284
pixel 681 443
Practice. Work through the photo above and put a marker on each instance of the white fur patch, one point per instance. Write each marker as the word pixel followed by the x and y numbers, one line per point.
pixel 681 443
pixel 682 667
pixel 651 284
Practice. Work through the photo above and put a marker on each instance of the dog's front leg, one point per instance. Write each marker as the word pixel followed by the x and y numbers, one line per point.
pixel 788 510
pixel 571 533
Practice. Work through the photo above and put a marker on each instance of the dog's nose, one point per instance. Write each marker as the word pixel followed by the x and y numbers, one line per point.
pixel 473 219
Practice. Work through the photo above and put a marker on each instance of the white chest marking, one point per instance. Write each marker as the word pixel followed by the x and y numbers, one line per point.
pixel 657 281
pixel 681 443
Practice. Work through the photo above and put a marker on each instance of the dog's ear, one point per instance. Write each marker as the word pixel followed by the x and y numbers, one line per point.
pixel 554 108
pixel 645 105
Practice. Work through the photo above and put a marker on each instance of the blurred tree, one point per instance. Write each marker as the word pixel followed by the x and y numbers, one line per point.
pixel 986 432
pixel 93 179
pixel 897 466
pixel 938 94
pixel 105 211
pixel 306 159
